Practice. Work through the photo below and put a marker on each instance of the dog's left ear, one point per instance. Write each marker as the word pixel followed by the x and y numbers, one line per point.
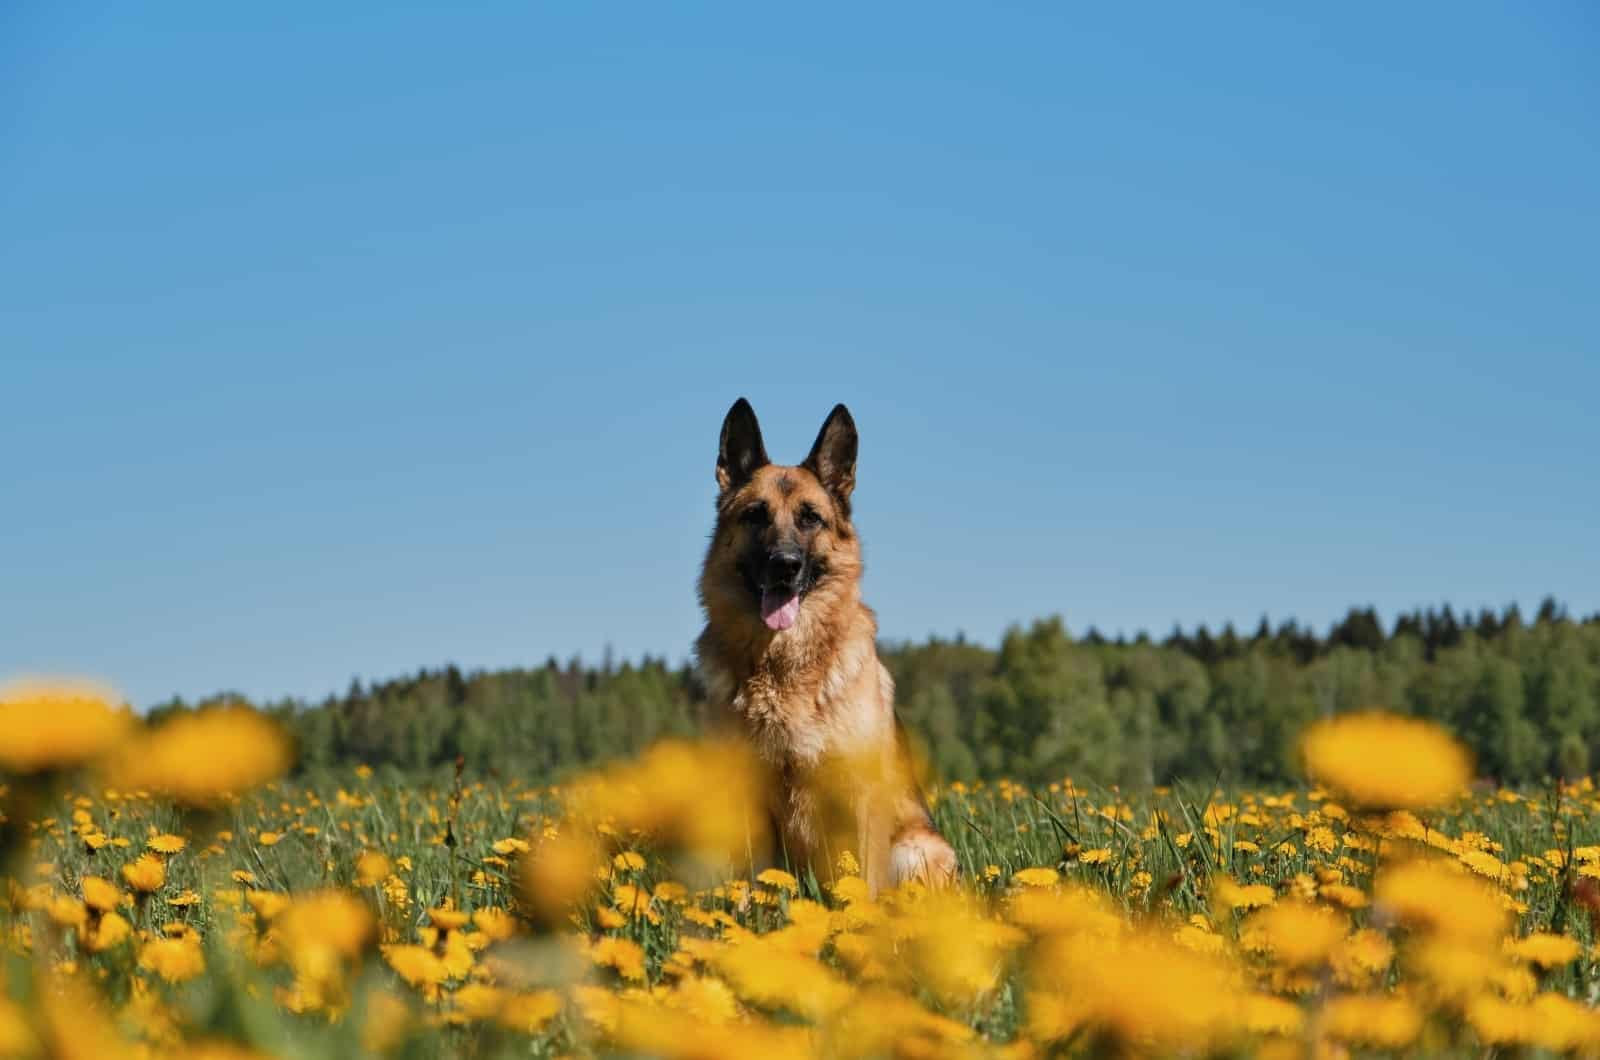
pixel 740 451
pixel 833 454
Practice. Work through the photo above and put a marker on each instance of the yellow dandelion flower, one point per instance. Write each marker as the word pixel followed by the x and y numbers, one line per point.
pixel 1147 990
pixel 1546 950
pixel 670 891
pixel 57 725
pixel 203 758
pixel 629 860
pixel 372 868
pixel 496 924
pixel 175 960
pixel 1379 1022
pixel 1342 894
pixel 100 894
pixel 269 839
pixel 417 965
pixel 1383 761
pixel 779 880
pixel 1297 934
pixel 145 873
pixel 167 844
pixel 110 930
pixel 763 972
pixel 1264 1014
pixel 624 955
pixel 1098 856
pixel 268 905
pixel 556 874
pixel 1036 877
pixel 507 847
pixel 447 919
pixel 1442 897
pixel 186 898
pixel 478 1002
pixel 528 1013
pixel 1322 840
pixel 1228 895
pixel 67 911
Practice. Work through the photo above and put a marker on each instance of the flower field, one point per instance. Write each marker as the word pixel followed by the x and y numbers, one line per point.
pixel 168 893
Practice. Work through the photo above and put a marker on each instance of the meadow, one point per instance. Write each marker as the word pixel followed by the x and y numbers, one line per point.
pixel 170 894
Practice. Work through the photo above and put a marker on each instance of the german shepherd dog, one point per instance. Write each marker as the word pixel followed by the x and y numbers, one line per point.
pixel 789 653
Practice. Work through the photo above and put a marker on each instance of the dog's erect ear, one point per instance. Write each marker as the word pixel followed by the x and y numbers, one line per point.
pixel 740 453
pixel 833 454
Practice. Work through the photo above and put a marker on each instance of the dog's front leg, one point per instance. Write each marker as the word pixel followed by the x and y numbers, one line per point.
pixel 872 839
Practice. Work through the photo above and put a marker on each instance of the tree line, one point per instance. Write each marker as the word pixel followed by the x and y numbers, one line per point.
pixel 1524 693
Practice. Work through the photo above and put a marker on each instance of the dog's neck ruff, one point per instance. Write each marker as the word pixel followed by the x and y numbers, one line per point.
pixel 786 697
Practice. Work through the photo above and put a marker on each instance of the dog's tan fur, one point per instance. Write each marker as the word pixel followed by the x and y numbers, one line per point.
pixel 813 699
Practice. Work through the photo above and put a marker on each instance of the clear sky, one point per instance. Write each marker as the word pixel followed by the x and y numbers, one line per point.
pixel 338 340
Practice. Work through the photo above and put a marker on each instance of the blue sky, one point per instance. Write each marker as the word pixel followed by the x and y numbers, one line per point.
pixel 339 341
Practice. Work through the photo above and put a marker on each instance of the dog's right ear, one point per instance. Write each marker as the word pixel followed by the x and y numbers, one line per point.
pixel 740 454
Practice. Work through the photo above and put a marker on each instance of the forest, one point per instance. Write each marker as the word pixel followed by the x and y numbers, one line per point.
pixel 1523 693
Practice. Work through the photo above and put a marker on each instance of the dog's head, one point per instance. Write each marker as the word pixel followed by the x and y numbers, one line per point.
pixel 783 534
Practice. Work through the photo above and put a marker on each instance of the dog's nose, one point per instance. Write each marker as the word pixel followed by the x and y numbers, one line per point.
pixel 784 566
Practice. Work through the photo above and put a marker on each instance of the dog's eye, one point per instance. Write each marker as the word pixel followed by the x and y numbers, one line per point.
pixel 809 518
pixel 755 515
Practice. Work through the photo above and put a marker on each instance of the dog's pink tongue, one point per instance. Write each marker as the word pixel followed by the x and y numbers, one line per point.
pixel 779 609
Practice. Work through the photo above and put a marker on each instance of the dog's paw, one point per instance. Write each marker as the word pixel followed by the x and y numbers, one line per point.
pixel 924 856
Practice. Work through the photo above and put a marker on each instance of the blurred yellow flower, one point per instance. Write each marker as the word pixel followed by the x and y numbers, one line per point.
pixel 556 874
pixel 497 925
pixel 1299 935
pixel 528 1013
pixel 1146 990
pixel 417 965
pixel 175 960
pixel 203 758
pixel 16 1036
pixel 1036 877
pixel 1226 895
pixel 1384 761
pixel 1441 897
pixel 624 955
pixel 322 928
pixel 1546 950
pixel 447 919
pixel 57 725
pixel 372 868
pixel 109 930
pixel 1379 1022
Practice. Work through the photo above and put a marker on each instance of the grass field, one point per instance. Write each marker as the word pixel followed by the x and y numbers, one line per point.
pixel 372 915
